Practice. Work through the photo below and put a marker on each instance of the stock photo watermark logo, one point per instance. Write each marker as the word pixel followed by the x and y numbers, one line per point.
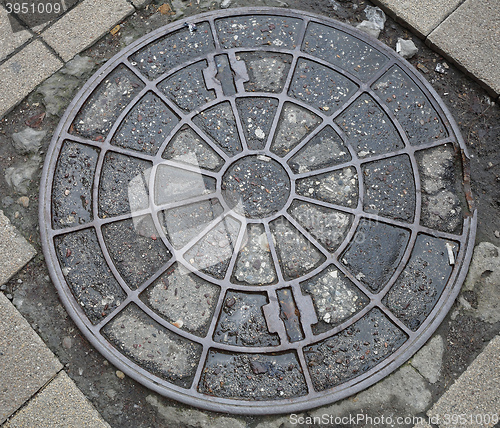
pixel 23 14
pixel 360 419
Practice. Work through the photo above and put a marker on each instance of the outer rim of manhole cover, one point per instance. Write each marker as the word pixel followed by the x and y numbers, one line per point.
pixel 313 398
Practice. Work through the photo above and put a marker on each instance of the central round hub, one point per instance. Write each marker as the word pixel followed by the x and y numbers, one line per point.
pixel 256 186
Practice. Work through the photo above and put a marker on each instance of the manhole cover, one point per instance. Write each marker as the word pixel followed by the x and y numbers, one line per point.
pixel 257 211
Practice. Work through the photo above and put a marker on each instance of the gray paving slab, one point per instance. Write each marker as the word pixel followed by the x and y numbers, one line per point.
pixel 59 405
pixel 422 16
pixel 15 251
pixel 10 40
pixel 24 72
pixel 85 24
pixel 39 22
pixel 470 36
pixel 474 395
pixel 26 364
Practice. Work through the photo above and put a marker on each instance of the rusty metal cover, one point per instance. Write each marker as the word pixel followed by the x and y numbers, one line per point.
pixel 257 211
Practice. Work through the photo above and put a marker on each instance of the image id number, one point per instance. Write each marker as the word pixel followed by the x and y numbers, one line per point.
pixel 32 8
pixel 462 419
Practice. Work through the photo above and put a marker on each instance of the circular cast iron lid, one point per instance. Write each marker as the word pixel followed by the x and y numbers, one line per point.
pixel 257 211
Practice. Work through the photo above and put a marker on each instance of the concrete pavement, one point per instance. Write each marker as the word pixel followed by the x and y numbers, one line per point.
pixel 467 33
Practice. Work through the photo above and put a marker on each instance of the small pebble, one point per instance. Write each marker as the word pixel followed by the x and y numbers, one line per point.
pixel 440 68
pixel 24 201
pixel 67 342
pixel 178 323
pixel 422 68
pixel 120 374
pixel 406 48
pixel 17 302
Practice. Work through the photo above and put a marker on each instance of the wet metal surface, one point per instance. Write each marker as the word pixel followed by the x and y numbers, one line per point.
pixel 260 214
